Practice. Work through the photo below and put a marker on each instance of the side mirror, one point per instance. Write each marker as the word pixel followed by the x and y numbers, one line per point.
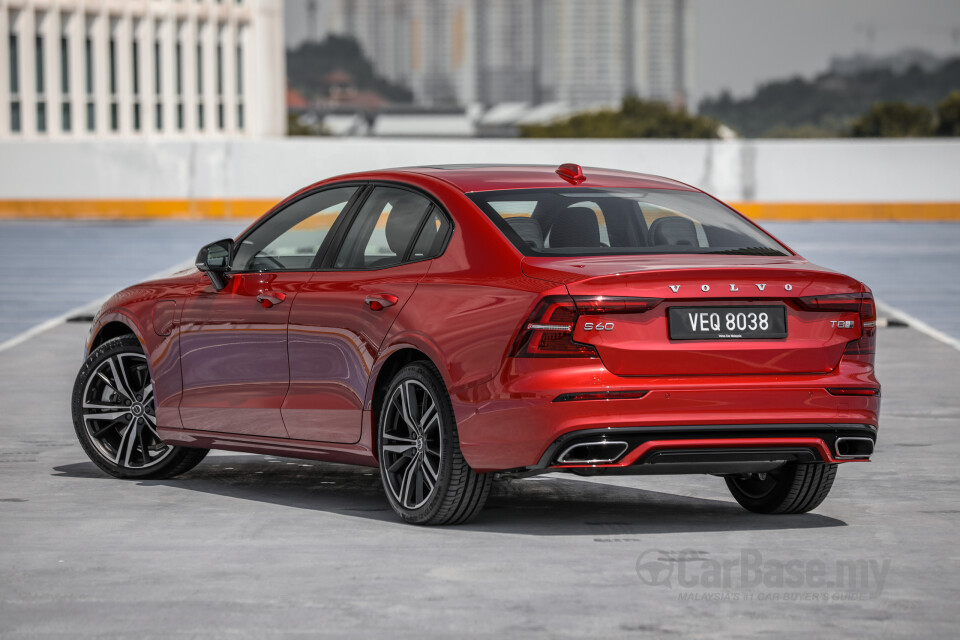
pixel 214 260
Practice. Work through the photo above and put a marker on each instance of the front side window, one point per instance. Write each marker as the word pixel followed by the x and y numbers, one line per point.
pixel 291 239
pixel 392 227
pixel 588 222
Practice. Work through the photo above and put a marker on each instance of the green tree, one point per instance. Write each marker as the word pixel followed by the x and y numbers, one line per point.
pixel 948 115
pixel 636 118
pixel 893 120
pixel 300 125
pixel 829 99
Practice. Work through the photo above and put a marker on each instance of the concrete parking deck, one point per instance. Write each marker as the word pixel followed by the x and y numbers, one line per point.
pixel 255 546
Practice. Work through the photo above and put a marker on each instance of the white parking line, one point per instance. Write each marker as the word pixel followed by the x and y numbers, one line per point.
pixel 93 305
pixel 50 324
pixel 917 324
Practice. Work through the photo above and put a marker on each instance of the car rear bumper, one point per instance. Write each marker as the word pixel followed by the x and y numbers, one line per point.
pixel 706 448
pixel 717 449
pixel 517 421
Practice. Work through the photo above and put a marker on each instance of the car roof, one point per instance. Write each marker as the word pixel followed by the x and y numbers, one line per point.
pixel 493 177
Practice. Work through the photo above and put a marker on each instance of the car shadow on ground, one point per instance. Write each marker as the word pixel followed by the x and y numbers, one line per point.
pixel 545 505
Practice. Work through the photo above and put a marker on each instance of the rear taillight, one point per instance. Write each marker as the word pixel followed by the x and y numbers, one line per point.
pixel 548 332
pixel 861 303
pixel 592 305
pixel 867 344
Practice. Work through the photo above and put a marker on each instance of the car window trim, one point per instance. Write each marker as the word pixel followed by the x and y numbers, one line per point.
pixel 405 258
pixel 329 262
pixel 328 252
pixel 435 206
pixel 332 243
pixel 283 206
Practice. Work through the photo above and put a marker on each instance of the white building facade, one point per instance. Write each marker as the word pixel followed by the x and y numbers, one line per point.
pixel 131 69
pixel 534 51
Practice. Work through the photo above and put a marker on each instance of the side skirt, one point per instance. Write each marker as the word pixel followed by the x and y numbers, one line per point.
pixel 358 454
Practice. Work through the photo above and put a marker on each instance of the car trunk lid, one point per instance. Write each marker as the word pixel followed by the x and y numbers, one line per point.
pixel 700 289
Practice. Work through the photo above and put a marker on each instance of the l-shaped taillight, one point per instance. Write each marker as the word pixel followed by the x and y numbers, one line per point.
pixel 860 303
pixel 548 331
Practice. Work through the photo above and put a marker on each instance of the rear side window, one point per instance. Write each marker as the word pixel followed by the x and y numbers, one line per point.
pixel 587 222
pixel 393 226
pixel 432 236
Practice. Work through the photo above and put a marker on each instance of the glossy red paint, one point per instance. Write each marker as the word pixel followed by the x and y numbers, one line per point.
pixel 815 346
pixel 131 311
pixel 572 173
pixel 518 406
pixel 299 376
pixel 334 340
pixel 470 178
pixel 234 361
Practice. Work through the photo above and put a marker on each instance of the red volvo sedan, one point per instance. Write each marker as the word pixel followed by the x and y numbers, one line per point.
pixel 450 324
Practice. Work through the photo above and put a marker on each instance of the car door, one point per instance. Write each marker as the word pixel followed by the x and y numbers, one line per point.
pixel 343 314
pixel 234 358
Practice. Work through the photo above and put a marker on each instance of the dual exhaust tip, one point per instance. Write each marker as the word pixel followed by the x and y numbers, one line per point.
pixel 609 451
pixel 850 448
pixel 597 452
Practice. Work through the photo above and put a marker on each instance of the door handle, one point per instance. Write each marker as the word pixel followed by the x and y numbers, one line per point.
pixel 269 299
pixel 379 301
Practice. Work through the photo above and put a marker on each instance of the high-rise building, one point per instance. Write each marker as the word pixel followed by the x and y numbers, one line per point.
pixel 137 68
pixel 425 45
pixel 509 51
pixel 587 50
pixel 664 62
pixel 533 51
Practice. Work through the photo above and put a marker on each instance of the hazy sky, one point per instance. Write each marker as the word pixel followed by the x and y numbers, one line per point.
pixel 743 42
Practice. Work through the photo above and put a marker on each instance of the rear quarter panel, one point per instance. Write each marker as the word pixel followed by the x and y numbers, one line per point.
pixel 468 307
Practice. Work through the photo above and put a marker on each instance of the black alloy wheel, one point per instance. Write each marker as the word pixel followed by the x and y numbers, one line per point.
pixel 114 415
pixel 425 476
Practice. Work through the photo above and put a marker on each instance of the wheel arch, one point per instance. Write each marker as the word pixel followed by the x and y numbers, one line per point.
pixel 109 331
pixel 113 324
pixel 391 364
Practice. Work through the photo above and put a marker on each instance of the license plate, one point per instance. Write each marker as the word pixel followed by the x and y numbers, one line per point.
pixel 727 323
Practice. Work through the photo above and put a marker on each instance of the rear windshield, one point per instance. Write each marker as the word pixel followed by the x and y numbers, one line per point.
pixel 591 222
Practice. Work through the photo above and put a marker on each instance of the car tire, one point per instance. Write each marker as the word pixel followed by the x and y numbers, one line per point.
pixel 424 474
pixel 114 415
pixel 793 488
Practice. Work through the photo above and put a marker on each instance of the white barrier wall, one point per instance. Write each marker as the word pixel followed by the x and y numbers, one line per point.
pixel 855 171
pixel 819 171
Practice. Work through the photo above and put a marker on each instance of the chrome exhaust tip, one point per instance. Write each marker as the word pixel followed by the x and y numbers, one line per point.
pixel 851 448
pixel 598 452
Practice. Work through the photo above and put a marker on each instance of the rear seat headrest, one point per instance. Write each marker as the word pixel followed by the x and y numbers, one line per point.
pixel 529 231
